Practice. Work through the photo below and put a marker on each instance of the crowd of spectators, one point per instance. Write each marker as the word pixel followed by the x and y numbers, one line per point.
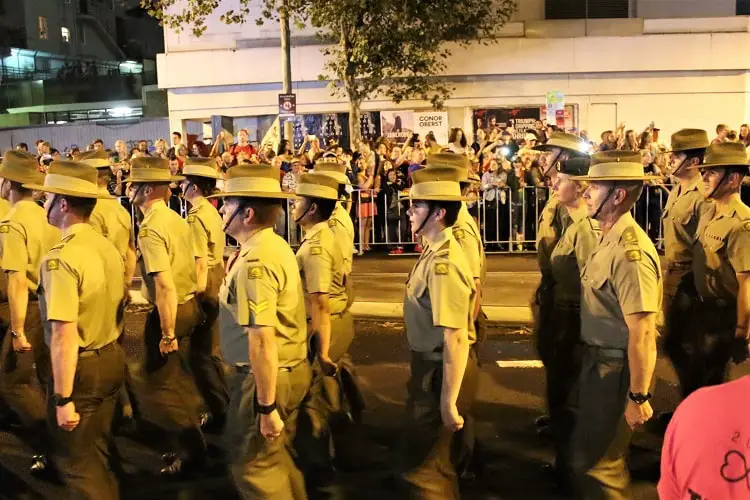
pixel 510 194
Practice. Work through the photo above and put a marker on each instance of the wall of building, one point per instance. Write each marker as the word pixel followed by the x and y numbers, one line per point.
pixel 684 8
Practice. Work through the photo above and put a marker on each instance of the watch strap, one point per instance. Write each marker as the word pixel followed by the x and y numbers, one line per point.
pixel 639 398
pixel 264 409
pixel 61 401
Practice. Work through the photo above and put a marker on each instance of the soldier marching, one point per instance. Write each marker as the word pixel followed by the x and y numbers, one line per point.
pixel 256 347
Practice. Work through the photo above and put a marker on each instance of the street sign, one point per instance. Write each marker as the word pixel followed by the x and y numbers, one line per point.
pixel 287 105
pixel 555 103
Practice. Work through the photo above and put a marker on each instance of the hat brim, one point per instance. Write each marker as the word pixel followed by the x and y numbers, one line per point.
pixel 709 166
pixel 253 194
pixel 339 177
pixel 549 147
pixel 68 192
pixel 215 176
pixel 22 179
pixel 581 178
pixel 140 180
pixel 314 197
pixel 435 198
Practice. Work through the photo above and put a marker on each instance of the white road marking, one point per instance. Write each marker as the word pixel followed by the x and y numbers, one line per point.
pixel 520 363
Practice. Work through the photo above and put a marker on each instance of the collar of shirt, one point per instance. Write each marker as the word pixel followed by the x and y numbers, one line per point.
pixel 103 190
pixel 578 213
pixel 254 240
pixel 75 229
pixel 614 234
pixel 734 204
pixel 158 205
pixel 197 204
pixel 441 238
pixel 313 231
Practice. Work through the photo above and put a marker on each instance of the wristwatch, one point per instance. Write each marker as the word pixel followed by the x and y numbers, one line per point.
pixel 167 340
pixel 638 397
pixel 61 401
pixel 264 410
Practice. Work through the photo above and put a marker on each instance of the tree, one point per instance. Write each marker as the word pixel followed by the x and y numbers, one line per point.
pixel 392 48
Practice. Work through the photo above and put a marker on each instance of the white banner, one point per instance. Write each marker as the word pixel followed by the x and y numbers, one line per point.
pixel 432 121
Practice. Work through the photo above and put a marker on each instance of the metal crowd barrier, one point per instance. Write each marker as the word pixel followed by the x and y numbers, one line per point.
pixel 508 219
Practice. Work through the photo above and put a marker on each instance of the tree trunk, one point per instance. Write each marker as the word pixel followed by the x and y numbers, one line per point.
pixel 355 127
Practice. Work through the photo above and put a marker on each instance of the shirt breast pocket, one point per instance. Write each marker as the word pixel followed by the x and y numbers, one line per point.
pixel 596 281
pixel 416 287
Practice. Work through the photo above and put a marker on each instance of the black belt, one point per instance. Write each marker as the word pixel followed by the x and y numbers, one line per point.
pixel 85 353
pixel 607 352
pixel 567 305
pixel 683 266
pixel 715 301
pixel 243 369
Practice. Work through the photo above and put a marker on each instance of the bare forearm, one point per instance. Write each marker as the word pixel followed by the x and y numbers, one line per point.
pixel 455 357
pixel 166 303
pixel 743 305
pixel 321 322
pixel 130 262
pixel 642 358
pixel 18 300
pixel 64 353
pixel 201 269
pixel 478 302
pixel 264 359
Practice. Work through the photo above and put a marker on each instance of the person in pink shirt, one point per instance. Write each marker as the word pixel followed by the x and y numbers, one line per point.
pixel 706 453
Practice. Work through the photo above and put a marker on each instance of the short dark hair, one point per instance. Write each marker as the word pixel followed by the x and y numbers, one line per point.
pixel 82 207
pixel 325 207
pixel 451 210
pixel 266 209
pixel 99 141
pixel 18 187
pixel 178 134
pixel 695 153
pixel 343 192
pixel 205 184
pixel 721 127
pixel 23 146
pixel 743 171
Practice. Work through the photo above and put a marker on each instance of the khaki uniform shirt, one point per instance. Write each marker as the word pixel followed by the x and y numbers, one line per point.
pixel 4 208
pixel 113 221
pixel 552 224
pixel 680 217
pixel 343 229
pixel 621 277
pixel 722 251
pixel 440 294
pixel 263 288
pixel 165 244
pixel 571 253
pixel 466 232
pixel 207 229
pixel 82 282
pixel 26 237
pixel 321 266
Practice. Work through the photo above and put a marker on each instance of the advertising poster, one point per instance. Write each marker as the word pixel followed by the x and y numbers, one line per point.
pixel 520 118
pixel 397 126
pixel 432 121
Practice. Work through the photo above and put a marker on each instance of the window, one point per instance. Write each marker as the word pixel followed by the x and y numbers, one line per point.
pixel 65 34
pixel 43 33
pixel 81 34
pixel 582 9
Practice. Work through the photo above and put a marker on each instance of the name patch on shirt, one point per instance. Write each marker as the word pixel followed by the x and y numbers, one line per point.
pixel 254 272
pixel 53 264
pixel 315 251
pixel 441 268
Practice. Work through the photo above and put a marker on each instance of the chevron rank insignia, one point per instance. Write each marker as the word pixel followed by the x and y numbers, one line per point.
pixel 633 255
pixel 254 272
pixel 458 234
pixel 315 251
pixel 331 222
pixel 629 236
pixel 257 308
pixel 441 268
pixel 53 264
pixel 143 233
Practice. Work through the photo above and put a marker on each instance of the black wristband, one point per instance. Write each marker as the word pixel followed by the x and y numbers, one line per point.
pixel 639 398
pixel 61 401
pixel 167 340
pixel 263 410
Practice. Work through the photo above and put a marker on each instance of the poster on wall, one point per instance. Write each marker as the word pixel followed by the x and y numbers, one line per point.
pixel 432 121
pixel 520 119
pixel 397 126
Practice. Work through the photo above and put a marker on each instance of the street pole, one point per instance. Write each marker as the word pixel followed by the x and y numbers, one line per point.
pixel 286 61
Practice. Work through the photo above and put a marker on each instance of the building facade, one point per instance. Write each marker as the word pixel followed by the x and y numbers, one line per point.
pixel 676 63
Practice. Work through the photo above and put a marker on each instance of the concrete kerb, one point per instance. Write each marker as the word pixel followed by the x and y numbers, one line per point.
pixel 394 310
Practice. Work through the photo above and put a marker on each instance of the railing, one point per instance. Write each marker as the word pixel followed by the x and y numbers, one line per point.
pixel 508 219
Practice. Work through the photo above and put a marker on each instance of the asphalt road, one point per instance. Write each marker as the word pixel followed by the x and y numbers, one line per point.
pixel 509 401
